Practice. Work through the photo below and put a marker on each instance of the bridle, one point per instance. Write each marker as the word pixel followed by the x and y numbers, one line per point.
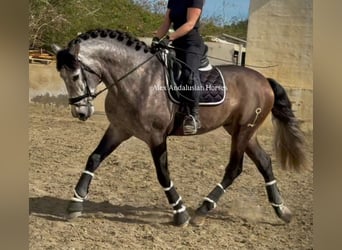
pixel 84 67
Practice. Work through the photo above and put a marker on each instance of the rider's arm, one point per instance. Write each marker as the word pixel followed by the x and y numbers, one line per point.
pixel 193 15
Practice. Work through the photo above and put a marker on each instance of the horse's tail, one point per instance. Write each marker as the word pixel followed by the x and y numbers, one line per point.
pixel 289 140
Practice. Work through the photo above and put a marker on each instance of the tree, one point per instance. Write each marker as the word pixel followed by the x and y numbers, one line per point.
pixel 43 17
pixel 155 6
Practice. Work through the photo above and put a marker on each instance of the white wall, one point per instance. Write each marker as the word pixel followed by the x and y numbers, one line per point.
pixel 280 33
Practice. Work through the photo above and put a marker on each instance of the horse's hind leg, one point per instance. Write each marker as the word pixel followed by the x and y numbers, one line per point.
pixel 109 142
pixel 264 165
pixel 234 168
pixel 159 154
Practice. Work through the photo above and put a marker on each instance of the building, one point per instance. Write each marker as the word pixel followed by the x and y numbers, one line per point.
pixel 279 45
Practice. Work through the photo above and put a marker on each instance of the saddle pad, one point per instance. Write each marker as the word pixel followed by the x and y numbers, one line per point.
pixel 213 88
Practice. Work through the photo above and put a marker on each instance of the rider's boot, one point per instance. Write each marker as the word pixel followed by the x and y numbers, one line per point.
pixel 191 121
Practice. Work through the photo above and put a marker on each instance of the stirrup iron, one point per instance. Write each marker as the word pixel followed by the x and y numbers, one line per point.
pixel 189 129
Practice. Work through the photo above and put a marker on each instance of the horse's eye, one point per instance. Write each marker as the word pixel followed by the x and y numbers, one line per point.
pixel 75 78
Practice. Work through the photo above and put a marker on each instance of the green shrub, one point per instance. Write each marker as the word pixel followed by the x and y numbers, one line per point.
pixel 59 21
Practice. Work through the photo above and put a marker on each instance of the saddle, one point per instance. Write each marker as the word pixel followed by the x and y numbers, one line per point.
pixel 213 88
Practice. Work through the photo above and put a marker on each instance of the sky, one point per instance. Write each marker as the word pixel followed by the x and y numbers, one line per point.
pixel 226 9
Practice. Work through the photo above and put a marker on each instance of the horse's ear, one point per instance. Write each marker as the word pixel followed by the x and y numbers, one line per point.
pixel 74 50
pixel 55 48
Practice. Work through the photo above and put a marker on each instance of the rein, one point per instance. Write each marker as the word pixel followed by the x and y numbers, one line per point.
pixel 85 67
pixel 125 75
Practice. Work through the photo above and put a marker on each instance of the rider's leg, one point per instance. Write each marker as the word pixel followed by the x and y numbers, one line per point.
pixel 191 77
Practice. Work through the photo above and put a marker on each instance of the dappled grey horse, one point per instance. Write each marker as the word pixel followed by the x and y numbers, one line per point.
pixel 131 74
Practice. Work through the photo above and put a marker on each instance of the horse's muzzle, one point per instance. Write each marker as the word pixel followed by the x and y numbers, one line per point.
pixel 82 112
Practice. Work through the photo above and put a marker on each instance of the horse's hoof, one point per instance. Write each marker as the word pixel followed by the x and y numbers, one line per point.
pixel 286 214
pixel 181 219
pixel 283 213
pixel 185 224
pixel 74 210
pixel 198 220
pixel 73 215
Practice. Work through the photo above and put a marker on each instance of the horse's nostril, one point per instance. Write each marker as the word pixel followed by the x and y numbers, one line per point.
pixel 82 116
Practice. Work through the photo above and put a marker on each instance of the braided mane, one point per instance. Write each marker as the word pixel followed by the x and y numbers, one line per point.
pixel 123 37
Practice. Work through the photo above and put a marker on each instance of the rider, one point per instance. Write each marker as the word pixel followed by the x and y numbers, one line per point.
pixel 185 16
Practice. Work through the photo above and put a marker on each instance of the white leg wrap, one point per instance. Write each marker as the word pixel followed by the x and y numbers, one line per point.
pixel 169 188
pixel 79 197
pixel 210 200
pixel 76 199
pixel 181 210
pixel 89 173
pixel 280 206
pixel 271 183
pixel 277 205
pixel 176 203
pixel 219 184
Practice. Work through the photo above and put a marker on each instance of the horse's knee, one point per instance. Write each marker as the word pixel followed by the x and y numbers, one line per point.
pixel 232 173
pixel 93 162
pixel 238 171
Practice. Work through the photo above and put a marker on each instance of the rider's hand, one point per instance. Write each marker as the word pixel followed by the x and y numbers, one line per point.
pixel 159 44
pixel 155 41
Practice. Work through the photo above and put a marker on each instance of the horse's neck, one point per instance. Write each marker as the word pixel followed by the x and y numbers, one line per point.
pixel 126 69
pixel 126 72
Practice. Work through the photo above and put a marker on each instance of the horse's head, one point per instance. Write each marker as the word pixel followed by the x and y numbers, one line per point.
pixel 80 80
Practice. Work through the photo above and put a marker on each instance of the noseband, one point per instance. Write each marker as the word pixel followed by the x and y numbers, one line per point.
pixel 88 93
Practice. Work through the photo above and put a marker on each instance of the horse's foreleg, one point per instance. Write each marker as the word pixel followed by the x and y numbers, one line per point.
pixel 159 154
pixel 264 165
pixel 109 142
